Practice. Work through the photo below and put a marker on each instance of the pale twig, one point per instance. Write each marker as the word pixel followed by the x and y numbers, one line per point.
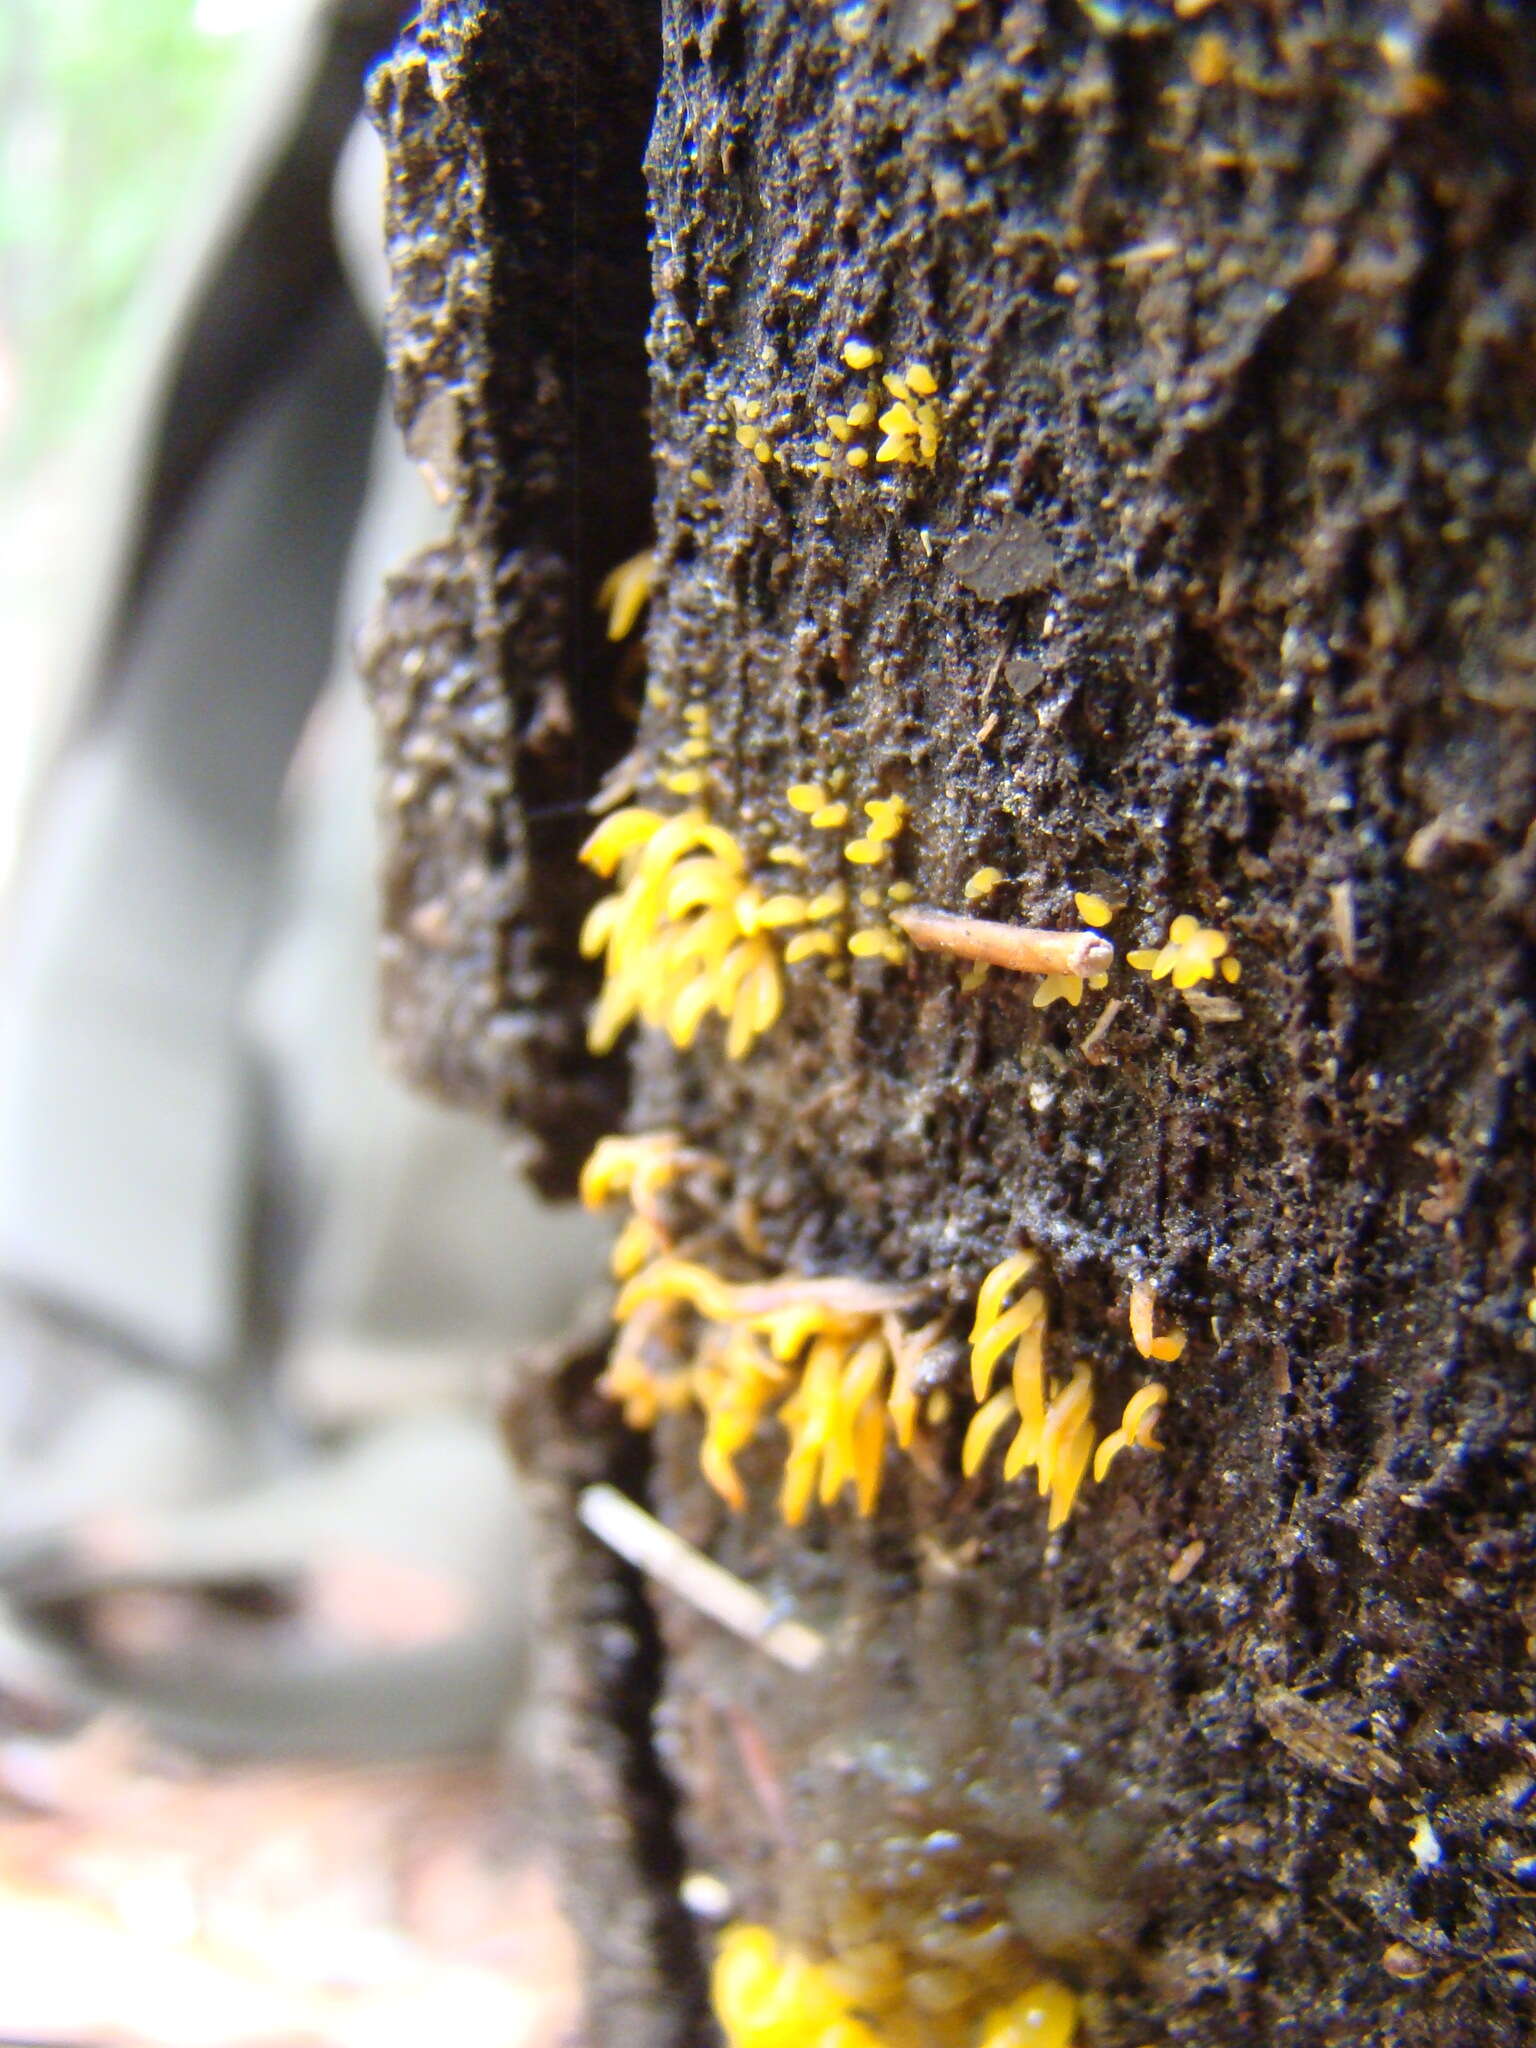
pixel 651 1547
pixel 1006 945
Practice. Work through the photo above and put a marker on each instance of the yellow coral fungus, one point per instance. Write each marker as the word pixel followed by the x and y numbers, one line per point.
pixel 1137 1427
pixel 829 1353
pixel 625 591
pixel 987 1345
pixel 1189 954
pixel 684 933
pixel 1143 1304
pixel 1054 1433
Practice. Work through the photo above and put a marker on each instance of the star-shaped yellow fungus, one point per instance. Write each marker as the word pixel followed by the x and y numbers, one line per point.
pixel 911 424
pixel 1165 1349
pixel 1190 954
pixel 1137 1429
pixel 686 932
pixel 625 591
pixel 873 1994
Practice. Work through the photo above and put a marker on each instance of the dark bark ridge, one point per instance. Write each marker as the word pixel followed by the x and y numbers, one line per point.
pixel 514 138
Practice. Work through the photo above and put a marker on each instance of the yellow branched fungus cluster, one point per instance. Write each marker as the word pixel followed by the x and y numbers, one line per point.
pixel 687 931
pixel 829 1358
pixel 832 1361
pixel 768 1994
pixel 1052 1423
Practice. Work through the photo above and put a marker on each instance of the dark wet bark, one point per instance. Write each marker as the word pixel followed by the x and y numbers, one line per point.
pixel 1239 313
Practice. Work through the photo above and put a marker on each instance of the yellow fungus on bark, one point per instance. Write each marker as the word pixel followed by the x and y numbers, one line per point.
pixel 625 591
pixel 1137 1429
pixel 1189 954
pixel 1093 909
pixel 1143 1305
pixel 982 883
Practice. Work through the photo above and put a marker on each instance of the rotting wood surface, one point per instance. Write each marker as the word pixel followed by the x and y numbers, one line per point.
pixel 1236 306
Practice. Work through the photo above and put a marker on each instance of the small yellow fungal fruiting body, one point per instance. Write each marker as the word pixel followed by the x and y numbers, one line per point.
pixel 1055 1430
pixel 911 424
pixel 856 458
pixel 1137 1427
pixel 636 1167
pixel 887 815
pixel 878 945
pixel 864 852
pixel 829 817
pixel 805 796
pixel 982 883
pixel 806 944
pixel 682 934
pixel 1093 909
pixel 625 591
pixel 1190 954
pixel 858 354
pixel 1165 1349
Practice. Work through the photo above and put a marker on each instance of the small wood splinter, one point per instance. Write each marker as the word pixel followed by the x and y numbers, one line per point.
pixel 1006 945
pixel 650 1546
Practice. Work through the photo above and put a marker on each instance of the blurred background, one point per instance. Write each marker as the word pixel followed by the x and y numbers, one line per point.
pixel 263 1576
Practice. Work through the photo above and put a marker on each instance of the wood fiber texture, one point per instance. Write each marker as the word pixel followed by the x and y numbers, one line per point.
pixel 1218 596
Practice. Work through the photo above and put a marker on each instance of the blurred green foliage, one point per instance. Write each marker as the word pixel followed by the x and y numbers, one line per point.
pixel 110 107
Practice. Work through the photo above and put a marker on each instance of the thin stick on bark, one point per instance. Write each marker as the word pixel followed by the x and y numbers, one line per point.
pixel 647 1544
pixel 1014 946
